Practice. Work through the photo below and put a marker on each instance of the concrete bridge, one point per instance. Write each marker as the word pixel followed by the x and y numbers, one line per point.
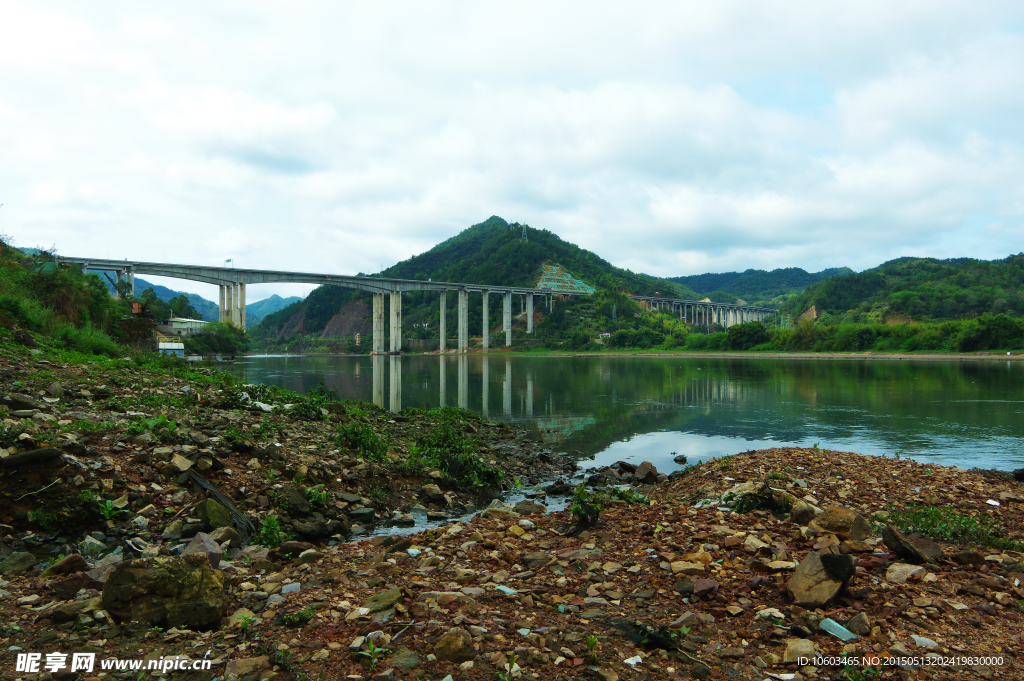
pixel 702 313
pixel 232 283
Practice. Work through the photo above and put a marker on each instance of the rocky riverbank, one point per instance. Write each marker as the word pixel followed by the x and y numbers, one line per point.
pixel 127 537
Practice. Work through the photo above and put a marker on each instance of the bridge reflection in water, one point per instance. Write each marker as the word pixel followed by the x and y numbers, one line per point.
pixel 389 369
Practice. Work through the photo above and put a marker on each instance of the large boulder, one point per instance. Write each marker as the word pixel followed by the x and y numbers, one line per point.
pixel 455 645
pixel 17 562
pixel 915 548
pixel 19 401
pixel 295 501
pixel 646 473
pixel 169 591
pixel 842 520
pixel 802 513
pixel 213 514
pixel 819 578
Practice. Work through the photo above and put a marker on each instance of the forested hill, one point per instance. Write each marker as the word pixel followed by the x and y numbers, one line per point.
pixel 923 289
pixel 492 252
pixel 757 286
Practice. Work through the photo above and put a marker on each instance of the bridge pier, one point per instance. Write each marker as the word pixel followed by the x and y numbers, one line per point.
pixel 441 381
pixel 378 324
pixel 487 329
pixel 506 390
pixel 396 384
pixel 396 322
pixel 507 320
pixel 463 382
pixel 485 388
pixel 529 313
pixel 463 320
pixel 441 329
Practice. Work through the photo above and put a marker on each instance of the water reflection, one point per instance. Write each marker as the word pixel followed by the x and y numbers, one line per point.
pixel 957 413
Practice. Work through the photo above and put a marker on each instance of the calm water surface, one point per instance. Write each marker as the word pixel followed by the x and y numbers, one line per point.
pixel 963 414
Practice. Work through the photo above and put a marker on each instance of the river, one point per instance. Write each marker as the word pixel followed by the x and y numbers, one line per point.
pixel 954 413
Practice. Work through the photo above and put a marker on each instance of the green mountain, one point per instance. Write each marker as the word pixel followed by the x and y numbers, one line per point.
pixel 922 289
pixel 492 252
pixel 254 312
pixel 757 286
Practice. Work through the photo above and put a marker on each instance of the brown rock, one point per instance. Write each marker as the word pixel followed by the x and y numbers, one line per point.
pixel 915 548
pixel 455 645
pixel 967 558
pixel 66 588
pixel 70 563
pixel 803 513
pixel 860 625
pixel 842 520
pixel 819 578
pixel 179 591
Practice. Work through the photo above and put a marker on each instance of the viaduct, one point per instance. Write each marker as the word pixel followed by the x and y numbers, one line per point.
pixel 232 283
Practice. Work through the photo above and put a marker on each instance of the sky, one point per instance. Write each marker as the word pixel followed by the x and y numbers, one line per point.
pixel 672 138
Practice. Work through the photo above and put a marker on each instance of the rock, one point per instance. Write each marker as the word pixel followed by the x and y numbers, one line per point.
pixel 226 534
pixel 295 501
pixel 308 556
pixel 383 600
pixel 535 559
pixel 686 567
pixel 683 586
pixel 173 529
pixel 752 544
pixel 842 520
pixel 55 389
pixel 181 463
pixel 406 660
pixel 66 588
pixel 528 506
pixel 679 459
pixel 898 573
pixel 17 562
pixel 253 553
pixel 22 337
pixel 803 513
pixel 1018 475
pixel 33 456
pixel 69 611
pixel 1004 599
pixel 646 473
pixel 204 545
pixel 967 558
pixel 700 671
pixel 213 514
pixel 432 492
pixel 916 549
pixel 860 625
pixel 455 645
pixel 67 565
pixel 246 667
pixel 797 648
pixel 702 587
pixel 922 642
pixel 180 591
pixel 819 578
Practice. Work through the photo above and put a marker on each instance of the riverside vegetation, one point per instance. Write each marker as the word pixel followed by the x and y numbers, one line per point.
pixel 154 508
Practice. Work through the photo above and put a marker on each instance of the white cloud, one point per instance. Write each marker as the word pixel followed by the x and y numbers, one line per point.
pixel 669 138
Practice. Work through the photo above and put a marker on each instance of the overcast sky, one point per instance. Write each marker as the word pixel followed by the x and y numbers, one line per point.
pixel 672 138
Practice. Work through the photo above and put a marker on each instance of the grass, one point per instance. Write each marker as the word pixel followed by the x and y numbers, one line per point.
pixel 357 435
pixel 270 534
pixel 946 524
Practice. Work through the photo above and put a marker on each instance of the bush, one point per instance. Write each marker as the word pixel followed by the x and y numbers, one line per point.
pixel 745 336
